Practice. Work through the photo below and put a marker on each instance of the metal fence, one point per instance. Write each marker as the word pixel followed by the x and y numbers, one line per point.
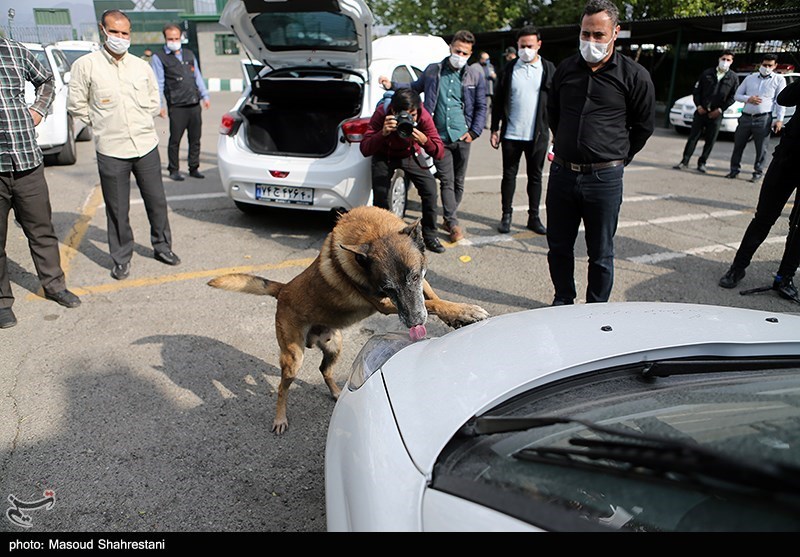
pixel 38 33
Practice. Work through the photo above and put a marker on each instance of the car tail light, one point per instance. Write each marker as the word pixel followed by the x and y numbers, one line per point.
pixel 375 352
pixel 354 130
pixel 230 123
pixel 278 173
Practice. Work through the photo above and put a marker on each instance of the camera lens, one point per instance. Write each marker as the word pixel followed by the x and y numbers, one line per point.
pixel 405 124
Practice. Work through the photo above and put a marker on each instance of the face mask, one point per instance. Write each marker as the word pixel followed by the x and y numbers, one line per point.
pixel 594 52
pixel 527 54
pixel 117 45
pixel 457 61
pixel 764 71
pixel 724 65
pixel 174 46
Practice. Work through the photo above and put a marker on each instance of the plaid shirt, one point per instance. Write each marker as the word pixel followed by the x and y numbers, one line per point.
pixel 18 148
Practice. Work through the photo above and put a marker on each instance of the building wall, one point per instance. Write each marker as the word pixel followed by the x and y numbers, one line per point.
pixel 213 65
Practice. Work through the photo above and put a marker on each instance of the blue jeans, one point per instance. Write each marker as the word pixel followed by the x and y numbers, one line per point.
pixel 595 199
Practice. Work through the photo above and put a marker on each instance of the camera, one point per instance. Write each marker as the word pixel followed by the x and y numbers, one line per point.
pixel 405 124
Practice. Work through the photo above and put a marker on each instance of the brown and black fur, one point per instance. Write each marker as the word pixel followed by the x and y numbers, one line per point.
pixel 372 261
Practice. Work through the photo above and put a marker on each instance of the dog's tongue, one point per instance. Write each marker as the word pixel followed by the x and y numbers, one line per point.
pixel 417 332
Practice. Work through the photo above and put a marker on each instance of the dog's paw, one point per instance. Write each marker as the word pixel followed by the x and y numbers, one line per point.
pixel 464 314
pixel 279 426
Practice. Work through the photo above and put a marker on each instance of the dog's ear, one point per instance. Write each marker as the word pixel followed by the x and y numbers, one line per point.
pixel 361 252
pixel 415 231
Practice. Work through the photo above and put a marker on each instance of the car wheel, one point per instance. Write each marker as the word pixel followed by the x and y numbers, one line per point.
pixel 247 208
pixel 67 155
pixel 398 194
pixel 85 135
pixel 682 130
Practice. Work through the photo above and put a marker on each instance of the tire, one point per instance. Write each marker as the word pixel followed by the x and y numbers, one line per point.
pixel 247 208
pixel 67 155
pixel 682 130
pixel 85 135
pixel 398 194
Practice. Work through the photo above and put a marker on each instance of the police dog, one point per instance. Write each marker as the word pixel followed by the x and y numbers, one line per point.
pixel 372 261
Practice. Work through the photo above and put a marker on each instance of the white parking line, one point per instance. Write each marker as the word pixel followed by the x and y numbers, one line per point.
pixel 653 258
pixel 187 197
pixel 522 176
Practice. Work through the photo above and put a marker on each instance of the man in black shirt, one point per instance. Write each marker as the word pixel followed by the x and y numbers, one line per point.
pixel 779 183
pixel 713 94
pixel 601 111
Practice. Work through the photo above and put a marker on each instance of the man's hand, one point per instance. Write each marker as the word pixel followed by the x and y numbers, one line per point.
pixel 754 99
pixel 495 139
pixel 389 125
pixel 36 117
pixel 466 138
pixel 385 82
pixel 714 114
pixel 701 110
pixel 163 113
pixel 207 103
pixel 419 137
pixel 777 126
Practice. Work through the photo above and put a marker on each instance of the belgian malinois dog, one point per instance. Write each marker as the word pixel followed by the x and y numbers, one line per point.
pixel 371 261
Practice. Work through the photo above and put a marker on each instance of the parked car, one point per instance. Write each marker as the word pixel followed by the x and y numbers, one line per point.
pixel 631 416
pixel 291 139
pixel 682 112
pixel 57 132
pixel 75 49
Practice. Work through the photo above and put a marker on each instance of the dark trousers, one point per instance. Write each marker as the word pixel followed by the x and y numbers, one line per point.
pixel 382 172
pixel 594 199
pixel 757 127
pixel 534 160
pixel 115 181
pixel 26 192
pixel 709 129
pixel 184 119
pixel 780 181
pixel 451 170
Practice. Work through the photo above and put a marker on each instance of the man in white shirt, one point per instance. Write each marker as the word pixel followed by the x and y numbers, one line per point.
pixel 117 94
pixel 759 93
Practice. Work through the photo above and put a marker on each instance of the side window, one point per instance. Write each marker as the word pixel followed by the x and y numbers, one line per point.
pixel 62 65
pixel 402 75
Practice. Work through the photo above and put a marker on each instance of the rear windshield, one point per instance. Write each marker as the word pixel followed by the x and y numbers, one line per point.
pixel 307 30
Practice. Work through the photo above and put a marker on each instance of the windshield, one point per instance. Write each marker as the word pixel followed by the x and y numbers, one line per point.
pixel 73 55
pixel 750 416
pixel 306 31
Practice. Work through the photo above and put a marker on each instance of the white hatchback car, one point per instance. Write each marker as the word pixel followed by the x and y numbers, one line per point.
pixel 57 132
pixel 291 139
pixel 75 49
pixel 631 416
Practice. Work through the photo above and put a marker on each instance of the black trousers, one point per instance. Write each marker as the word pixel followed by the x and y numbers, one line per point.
pixel 184 119
pixel 26 192
pixel 758 127
pixel 451 171
pixel 780 181
pixel 709 129
pixel 382 171
pixel 535 153
pixel 115 181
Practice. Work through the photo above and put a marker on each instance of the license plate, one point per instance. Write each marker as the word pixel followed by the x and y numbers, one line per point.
pixel 285 194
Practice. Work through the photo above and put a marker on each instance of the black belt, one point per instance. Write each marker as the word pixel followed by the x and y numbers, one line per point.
pixel 589 167
pixel 757 115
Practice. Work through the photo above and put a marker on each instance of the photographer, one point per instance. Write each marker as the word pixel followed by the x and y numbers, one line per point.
pixel 394 138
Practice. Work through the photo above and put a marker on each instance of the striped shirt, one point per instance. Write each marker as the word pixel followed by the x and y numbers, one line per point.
pixel 18 148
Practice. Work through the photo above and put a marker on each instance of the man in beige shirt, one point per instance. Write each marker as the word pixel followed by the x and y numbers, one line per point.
pixel 117 94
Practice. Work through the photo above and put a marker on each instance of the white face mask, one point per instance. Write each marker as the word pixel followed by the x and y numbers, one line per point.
pixel 457 61
pixel 174 46
pixel 594 52
pixel 117 45
pixel 724 65
pixel 527 54
pixel 764 71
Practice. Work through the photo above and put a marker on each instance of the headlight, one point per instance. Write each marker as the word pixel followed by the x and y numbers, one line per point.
pixel 373 355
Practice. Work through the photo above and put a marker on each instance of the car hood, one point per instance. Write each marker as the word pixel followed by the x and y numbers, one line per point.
pixel 282 33
pixel 436 385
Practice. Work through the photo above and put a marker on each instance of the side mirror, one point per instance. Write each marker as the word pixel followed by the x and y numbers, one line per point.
pixel 67 76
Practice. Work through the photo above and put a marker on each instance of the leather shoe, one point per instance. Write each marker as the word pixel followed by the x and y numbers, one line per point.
pixel 456 234
pixel 122 271
pixel 434 245
pixel 176 176
pixel 167 257
pixel 756 177
pixel 733 277
pixel 561 302
pixel 681 166
pixel 7 318
pixel 505 224
pixel 731 175
pixel 786 288
pixel 64 298
pixel 701 168
pixel 196 174
pixel 536 225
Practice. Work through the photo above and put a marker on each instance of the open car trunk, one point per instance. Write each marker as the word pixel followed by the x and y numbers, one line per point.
pixel 299 116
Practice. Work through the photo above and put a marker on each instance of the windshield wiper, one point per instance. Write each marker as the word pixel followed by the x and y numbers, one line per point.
pixel 641 454
pixel 664 368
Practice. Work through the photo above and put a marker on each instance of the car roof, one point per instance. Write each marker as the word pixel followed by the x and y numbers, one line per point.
pixel 436 385
pixel 78 45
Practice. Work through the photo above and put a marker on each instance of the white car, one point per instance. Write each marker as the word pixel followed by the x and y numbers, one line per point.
pixel 631 416
pixel 75 49
pixel 291 139
pixel 682 112
pixel 57 132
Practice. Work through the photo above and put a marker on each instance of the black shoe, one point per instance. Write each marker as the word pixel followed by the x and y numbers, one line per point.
pixel 733 277
pixel 505 224
pixel 536 225
pixel 756 177
pixel 561 302
pixel 786 288
pixel 701 168
pixel 176 176
pixel 194 173
pixel 731 175
pixel 434 245
pixel 167 257
pixel 64 298
pixel 7 318
pixel 681 166
pixel 122 271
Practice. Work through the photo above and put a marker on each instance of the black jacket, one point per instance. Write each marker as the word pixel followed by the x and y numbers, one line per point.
pixel 712 94
pixel 180 88
pixel 502 96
